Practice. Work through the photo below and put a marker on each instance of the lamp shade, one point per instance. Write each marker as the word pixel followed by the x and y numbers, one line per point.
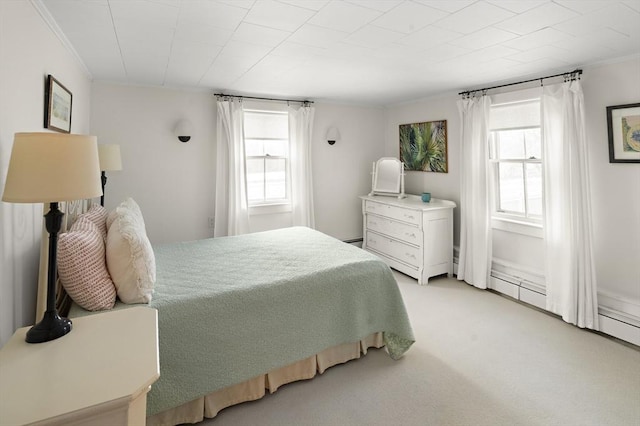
pixel 52 167
pixel 109 155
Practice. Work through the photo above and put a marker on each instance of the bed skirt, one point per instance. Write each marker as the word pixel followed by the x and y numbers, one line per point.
pixel 210 405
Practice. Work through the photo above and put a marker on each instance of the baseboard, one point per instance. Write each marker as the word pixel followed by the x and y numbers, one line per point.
pixel 618 308
pixel 618 317
pixel 619 329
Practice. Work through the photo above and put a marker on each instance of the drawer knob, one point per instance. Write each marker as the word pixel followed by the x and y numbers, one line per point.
pixel 410 235
pixel 409 216
pixel 413 256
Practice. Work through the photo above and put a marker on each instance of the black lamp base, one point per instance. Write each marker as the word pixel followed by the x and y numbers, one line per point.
pixel 51 327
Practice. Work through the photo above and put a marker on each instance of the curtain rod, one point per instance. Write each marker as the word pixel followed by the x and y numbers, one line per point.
pixel 263 99
pixel 573 74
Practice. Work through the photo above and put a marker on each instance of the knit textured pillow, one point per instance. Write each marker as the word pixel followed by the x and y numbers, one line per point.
pixel 82 268
pixel 130 258
pixel 98 215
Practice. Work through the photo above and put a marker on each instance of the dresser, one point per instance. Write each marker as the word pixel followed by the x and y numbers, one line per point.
pixel 98 374
pixel 411 236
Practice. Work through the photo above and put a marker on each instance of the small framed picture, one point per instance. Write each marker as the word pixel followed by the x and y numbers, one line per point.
pixel 623 122
pixel 58 101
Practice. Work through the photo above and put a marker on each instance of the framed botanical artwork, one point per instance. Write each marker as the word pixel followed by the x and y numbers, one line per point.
pixel 58 101
pixel 423 146
pixel 623 122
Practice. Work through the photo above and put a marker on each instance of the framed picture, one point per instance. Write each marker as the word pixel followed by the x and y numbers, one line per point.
pixel 623 122
pixel 423 146
pixel 58 106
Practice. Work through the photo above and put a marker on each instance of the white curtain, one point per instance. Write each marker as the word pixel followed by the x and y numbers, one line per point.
pixel 570 273
pixel 474 264
pixel 300 129
pixel 232 207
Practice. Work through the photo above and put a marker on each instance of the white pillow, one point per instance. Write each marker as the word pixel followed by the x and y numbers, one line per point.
pixel 130 258
pixel 82 268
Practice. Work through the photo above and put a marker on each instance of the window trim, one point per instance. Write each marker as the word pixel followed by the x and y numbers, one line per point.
pixel 507 214
pixel 270 208
pixel 504 223
pixel 277 205
pixel 514 221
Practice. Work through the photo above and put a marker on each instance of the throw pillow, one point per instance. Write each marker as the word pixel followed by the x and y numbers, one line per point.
pixel 82 268
pixel 130 257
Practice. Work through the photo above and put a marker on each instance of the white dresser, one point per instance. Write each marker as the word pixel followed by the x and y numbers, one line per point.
pixel 411 236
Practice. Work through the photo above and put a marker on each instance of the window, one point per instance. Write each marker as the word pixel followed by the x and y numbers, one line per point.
pixel 516 161
pixel 266 138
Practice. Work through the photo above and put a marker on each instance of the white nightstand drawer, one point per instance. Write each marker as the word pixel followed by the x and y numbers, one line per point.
pixel 396 249
pixel 401 231
pixel 404 215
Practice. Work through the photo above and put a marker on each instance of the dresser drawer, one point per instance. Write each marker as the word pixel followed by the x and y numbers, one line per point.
pixel 396 249
pixel 409 233
pixel 404 215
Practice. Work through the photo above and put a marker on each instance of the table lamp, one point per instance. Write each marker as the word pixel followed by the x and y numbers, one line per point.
pixel 109 155
pixel 49 168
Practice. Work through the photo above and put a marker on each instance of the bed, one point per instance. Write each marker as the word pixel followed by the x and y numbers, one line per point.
pixel 240 316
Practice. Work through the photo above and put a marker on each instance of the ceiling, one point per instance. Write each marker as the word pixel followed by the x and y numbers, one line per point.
pixel 375 52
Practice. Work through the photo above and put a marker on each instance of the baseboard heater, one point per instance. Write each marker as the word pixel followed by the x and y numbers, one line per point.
pixel 528 286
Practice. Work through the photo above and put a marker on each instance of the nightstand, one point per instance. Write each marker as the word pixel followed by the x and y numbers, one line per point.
pixel 99 373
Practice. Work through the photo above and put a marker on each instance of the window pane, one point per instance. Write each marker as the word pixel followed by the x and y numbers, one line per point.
pixel 255 179
pixel 254 147
pixel 511 187
pixel 266 125
pixel 276 178
pixel 511 144
pixel 277 148
pixel 534 189
pixel 533 143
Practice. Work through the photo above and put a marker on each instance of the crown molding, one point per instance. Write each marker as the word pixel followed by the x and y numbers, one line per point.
pixel 53 25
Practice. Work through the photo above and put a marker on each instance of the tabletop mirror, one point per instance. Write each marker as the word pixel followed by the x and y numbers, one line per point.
pixel 388 177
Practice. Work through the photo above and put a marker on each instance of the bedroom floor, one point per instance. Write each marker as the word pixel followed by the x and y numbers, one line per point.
pixel 479 359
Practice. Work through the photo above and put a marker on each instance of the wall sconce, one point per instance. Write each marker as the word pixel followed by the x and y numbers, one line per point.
pixel 333 135
pixel 183 130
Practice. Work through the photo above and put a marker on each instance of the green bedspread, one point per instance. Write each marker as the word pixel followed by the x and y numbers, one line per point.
pixel 232 308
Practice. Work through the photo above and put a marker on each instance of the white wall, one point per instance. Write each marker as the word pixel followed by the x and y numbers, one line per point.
pixel 441 185
pixel 29 50
pixel 615 187
pixel 173 182
pixel 342 172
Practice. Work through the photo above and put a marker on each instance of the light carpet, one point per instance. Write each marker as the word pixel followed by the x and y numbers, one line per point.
pixel 479 359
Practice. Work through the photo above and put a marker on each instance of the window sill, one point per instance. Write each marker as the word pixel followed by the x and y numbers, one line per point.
pixel 518 227
pixel 269 209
